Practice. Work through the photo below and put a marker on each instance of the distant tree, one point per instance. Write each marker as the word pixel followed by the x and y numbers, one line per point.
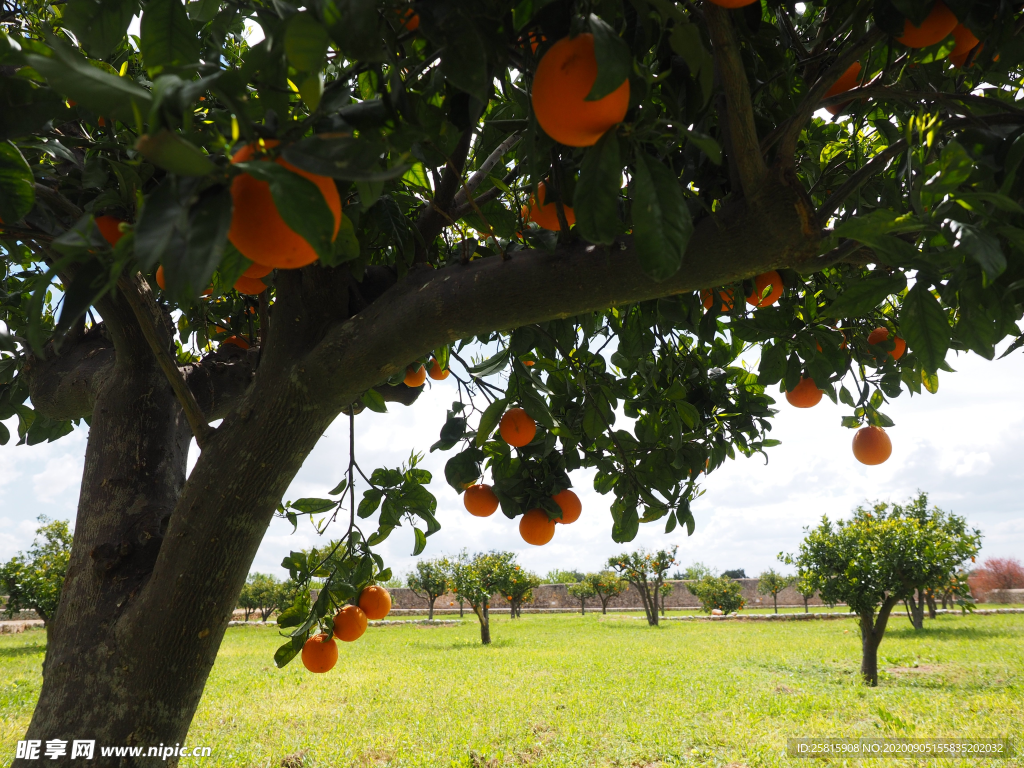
pixel 877 559
pixel 664 591
pixel 607 584
pixel 33 579
pixel 718 592
pixel 645 571
pixel 694 572
pixel 475 580
pixel 807 586
pixel 514 583
pixel 581 590
pixel 558 576
pixel 262 592
pixel 736 573
pixel 771 583
pixel 995 573
pixel 395 582
pixel 429 581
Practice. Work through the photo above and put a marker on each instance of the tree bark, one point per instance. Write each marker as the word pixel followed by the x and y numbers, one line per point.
pixel 775 601
pixel 930 597
pixel 430 613
pixel 483 614
pixel 872 629
pixel 806 609
pixel 916 610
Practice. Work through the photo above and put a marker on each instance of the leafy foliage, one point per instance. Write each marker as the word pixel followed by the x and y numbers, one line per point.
pixel 607 584
pixel 771 583
pixel 646 572
pixel 32 580
pixel 718 592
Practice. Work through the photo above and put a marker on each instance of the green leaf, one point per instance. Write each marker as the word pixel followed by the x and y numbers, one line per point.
pixel 159 223
pixel 342 157
pixel 421 542
pixel 535 405
pixel 984 249
pixel 5 435
pixel 489 420
pixel 346 244
pixel 464 58
pixel 661 220
pixel 525 10
pixel 626 523
pixel 863 295
pixel 305 42
pixel 463 468
pixel 208 222
pixel 354 25
pixel 167 37
pixel 614 60
pixel 171 152
pixel 491 365
pixel 286 652
pixel 90 281
pixel 300 203
pixel 370 501
pixel 314 506
pixel 925 326
pixel 374 400
pixel 596 200
pixel 17 185
pixel 339 488
pixel 99 25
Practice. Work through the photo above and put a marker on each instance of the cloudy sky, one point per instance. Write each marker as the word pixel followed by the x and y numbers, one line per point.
pixel 962 445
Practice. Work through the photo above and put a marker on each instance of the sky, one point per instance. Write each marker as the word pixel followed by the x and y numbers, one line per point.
pixel 962 446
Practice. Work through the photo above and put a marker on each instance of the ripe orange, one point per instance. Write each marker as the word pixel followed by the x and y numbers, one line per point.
pixel 733 3
pixel 160 278
pixel 251 286
pixel 879 335
pixel 570 505
pixel 480 500
pixel 564 77
pixel 238 341
pixel 257 229
pixel 760 283
pixel 517 428
pixel 350 623
pixel 375 602
pixel 320 653
pixel 109 227
pixel 871 445
pixel 804 395
pixel 257 271
pixel 849 79
pixel 707 298
pixel 411 20
pixel 436 372
pixel 536 527
pixel 415 375
pixel 965 43
pixel 936 27
pixel 546 216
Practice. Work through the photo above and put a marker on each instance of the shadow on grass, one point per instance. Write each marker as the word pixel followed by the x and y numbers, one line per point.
pixel 461 645
pixel 951 633
pixel 22 650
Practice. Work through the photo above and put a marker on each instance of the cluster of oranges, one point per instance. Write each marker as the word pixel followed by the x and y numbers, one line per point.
pixel 517 429
pixel 416 374
pixel 320 652
pixel 769 281
pixel 871 445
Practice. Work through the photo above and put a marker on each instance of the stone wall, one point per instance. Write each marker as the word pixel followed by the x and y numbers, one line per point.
pixel 1005 596
pixel 554 597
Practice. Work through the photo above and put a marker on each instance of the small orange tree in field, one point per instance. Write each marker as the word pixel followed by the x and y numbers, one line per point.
pixel 646 572
pixel 196 230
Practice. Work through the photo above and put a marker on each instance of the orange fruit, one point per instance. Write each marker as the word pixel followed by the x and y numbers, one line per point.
pixel 109 227
pixel 251 286
pixel 535 41
pixel 375 602
pixel 320 653
pixel 536 527
pixel 804 395
pixel 529 363
pixel 411 20
pixel 546 216
pixel 480 500
pixel 238 341
pixel 733 3
pixel 415 375
pixel 849 79
pixel 570 505
pixel 257 271
pixel 871 445
pixel 436 372
pixel 707 298
pixel 160 278
pixel 760 283
pixel 935 28
pixel 517 428
pixel 257 229
pixel 564 77
pixel 879 335
pixel 350 623
pixel 965 43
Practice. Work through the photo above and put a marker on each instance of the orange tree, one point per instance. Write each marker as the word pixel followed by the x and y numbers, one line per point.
pixel 199 229
pixel 514 583
pixel 476 580
pixel 429 581
pixel 607 584
pixel 646 572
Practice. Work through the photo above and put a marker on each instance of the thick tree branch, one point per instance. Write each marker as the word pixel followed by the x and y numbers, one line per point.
pixel 746 151
pixel 848 252
pixel 65 385
pixel 138 294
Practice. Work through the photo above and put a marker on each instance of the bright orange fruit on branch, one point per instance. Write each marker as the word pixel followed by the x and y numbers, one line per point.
pixel 415 375
pixel 707 298
pixel 517 428
pixel 536 527
pixel 320 653
pixel 570 505
pixel 250 286
pixel 411 20
pixel 480 500
pixel 110 228
pixel 238 341
pixel 761 283
pixel 375 602
pixel 871 445
pixel 257 271
pixel 436 372
pixel 564 77
pixel 257 229
pixel 804 395
pixel 849 79
pixel 965 43
pixel 733 3
pixel 546 216
pixel 350 623
pixel 879 335
pixel 935 28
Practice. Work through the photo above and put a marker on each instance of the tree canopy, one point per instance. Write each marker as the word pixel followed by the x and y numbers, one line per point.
pixel 32 580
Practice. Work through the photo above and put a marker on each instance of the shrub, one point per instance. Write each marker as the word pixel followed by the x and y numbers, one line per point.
pixel 718 592
pixel 996 573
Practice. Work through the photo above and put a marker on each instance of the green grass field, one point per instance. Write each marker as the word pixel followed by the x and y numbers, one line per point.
pixel 563 690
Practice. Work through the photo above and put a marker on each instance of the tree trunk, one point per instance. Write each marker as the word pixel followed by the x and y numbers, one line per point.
pixel 604 605
pixel 872 630
pixel 483 613
pixel 461 607
pixel 806 609
pixel 931 605
pixel 916 609
pixel 775 601
pixel 430 609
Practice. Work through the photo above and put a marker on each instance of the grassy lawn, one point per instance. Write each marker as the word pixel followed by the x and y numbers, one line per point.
pixel 564 690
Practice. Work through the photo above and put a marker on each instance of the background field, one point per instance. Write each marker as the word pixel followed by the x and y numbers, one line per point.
pixel 563 690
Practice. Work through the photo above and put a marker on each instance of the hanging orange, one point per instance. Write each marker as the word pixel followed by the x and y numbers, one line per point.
pixel 238 341
pixel 935 28
pixel 546 216
pixel 517 428
pixel 871 445
pixel 849 79
pixel 536 527
pixel 257 229
pixel 436 372
pixel 564 77
pixel 881 334
pixel 250 286
pixel 350 623
pixel 965 43
pixel 375 602
pixel 707 298
pixel 570 505
pixel 760 283
pixel 805 394
pixel 110 228
pixel 415 375
pixel 257 271
pixel 480 500
pixel 320 653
